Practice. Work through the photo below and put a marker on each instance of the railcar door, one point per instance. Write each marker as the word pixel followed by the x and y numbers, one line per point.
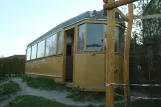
pixel 69 55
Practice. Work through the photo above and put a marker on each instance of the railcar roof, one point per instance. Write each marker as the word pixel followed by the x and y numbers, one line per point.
pixel 99 15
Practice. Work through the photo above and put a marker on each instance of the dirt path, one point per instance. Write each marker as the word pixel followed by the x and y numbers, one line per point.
pixel 52 95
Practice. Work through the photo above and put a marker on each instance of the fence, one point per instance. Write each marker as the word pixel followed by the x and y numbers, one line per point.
pixel 12 66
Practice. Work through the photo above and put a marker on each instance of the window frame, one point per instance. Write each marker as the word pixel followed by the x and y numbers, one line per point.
pixel 61 31
pixel 123 34
pixel 86 22
pixel 118 43
pixel 77 36
pixel 86 37
pixel 32 51
pixel 118 40
pixel 27 54
pixel 38 47
pixel 55 46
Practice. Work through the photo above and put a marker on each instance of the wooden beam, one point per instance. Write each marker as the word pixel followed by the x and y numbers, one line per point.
pixel 126 54
pixel 148 16
pixel 122 15
pixel 110 56
pixel 108 6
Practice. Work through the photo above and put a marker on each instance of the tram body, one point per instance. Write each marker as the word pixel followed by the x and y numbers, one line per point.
pixel 75 50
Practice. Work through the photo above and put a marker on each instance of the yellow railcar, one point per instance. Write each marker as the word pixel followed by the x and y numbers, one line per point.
pixel 74 51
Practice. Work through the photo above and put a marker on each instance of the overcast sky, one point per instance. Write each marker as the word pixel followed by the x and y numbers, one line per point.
pixel 22 21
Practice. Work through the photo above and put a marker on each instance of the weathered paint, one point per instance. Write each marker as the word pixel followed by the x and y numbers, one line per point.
pixel 90 70
pixel 50 66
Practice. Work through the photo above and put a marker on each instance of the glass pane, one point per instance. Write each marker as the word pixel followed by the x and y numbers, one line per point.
pixel 94 37
pixel 116 39
pixel 121 40
pixel 59 47
pixel 51 45
pixel 81 30
pixel 116 33
pixel 105 37
pixel 41 49
pixel 34 49
pixel 28 53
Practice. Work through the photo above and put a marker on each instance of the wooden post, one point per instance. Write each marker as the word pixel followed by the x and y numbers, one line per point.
pixel 126 54
pixel 110 56
pixel 109 6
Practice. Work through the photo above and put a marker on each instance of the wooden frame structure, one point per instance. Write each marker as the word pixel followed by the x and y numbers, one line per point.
pixel 109 6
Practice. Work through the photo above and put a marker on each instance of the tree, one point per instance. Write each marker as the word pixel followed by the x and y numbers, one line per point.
pixel 1 56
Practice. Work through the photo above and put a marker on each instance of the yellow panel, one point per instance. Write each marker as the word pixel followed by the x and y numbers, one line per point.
pixel 119 68
pixel 50 66
pixel 90 70
pixel 92 67
pixel 79 70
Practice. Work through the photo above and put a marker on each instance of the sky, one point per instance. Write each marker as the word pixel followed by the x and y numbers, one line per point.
pixel 22 21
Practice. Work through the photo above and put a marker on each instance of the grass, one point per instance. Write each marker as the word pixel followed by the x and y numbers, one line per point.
pixel 8 88
pixel 2 79
pixel 43 83
pixel 34 101
pixel 77 94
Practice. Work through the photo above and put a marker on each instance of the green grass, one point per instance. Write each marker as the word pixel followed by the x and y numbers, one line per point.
pixel 77 94
pixel 2 79
pixel 8 88
pixel 43 83
pixel 34 101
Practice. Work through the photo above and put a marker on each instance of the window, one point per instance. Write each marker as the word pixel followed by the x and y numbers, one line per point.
pixel 105 37
pixel 81 30
pixel 51 45
pixel 121 40
pixel 59 46
pixel 116 34
pixel 94 37
pixel 34 49
pixel 41 49
pixel 28 53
